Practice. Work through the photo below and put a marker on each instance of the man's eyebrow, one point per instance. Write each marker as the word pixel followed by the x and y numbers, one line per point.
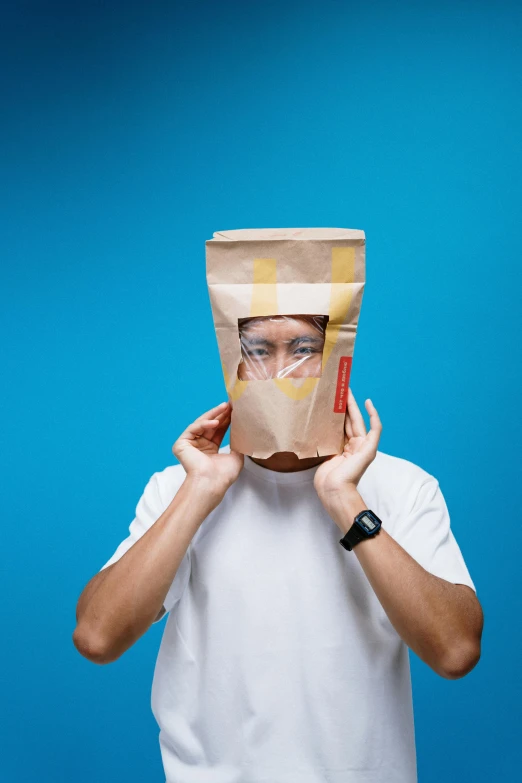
pixel 257 341
pixel 306 339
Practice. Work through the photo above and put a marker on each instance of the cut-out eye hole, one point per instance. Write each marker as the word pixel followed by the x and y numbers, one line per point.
pixel 281 346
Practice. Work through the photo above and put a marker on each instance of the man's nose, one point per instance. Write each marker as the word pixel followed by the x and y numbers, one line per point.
pixel 280 364
pixel 288 366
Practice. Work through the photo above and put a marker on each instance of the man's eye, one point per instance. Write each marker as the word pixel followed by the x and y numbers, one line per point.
pixel 304 350
pixel 257 352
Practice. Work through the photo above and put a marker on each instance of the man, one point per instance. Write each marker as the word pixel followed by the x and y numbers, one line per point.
pixel 285 656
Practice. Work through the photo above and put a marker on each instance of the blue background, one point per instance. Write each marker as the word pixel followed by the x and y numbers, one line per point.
pixel 128 135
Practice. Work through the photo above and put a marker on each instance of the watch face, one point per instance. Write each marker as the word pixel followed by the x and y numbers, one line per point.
pixel 367 523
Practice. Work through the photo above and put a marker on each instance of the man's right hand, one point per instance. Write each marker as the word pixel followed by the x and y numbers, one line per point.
pixel 121 602
pixel 197 449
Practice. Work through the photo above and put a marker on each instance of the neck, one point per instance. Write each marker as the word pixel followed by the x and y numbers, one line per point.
pixel 288 462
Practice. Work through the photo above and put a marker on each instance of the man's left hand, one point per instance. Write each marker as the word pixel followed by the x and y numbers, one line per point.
pixel 337 478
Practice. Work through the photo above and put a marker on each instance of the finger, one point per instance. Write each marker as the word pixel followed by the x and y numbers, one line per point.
pixel 203 430
pixel 194 437
pixel 224 421
pixel 375 424
pixel 212 414
pixel 199 429
pixel 224 424
pixel 348 426
pixel 356 418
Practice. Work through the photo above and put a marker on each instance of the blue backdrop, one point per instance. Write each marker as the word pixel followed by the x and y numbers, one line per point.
pixel 128 135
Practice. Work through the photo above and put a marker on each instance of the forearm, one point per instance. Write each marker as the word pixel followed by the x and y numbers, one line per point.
pixel 432 616
pixel 113 614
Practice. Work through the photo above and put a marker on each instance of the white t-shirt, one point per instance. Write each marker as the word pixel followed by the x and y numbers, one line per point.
pixel 278 664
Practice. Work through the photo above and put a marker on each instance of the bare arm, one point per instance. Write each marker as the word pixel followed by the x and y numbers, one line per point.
pixel 440 621
pixel 90 589
pixel 121 602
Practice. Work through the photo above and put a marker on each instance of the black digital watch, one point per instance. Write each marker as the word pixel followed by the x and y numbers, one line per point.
pixel 365 525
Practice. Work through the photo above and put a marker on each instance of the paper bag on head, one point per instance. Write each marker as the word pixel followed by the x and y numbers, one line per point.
pixel 300 292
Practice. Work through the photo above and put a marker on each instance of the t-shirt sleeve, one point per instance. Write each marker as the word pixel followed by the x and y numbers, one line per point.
pixel 425 533
pixel 151 506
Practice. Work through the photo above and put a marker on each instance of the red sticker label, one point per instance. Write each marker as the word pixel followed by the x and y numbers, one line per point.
pixel 343 381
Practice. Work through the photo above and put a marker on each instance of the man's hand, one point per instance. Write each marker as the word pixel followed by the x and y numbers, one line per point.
pixel 121 602
pixel 337 478
pixel 197 448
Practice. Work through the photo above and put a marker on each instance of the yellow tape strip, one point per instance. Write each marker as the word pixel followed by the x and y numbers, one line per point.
pixel 264 302
pixel 264 292
pixel 286 385
pixel 265 272
pixel 343 264
pixel 343 274
pixel 238 386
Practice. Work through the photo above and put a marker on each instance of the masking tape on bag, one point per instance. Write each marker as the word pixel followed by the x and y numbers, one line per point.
pixel 264 292
pixel 264 302
pixel 343 274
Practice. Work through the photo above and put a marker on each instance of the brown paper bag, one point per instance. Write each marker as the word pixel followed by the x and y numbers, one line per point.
pixel 286 304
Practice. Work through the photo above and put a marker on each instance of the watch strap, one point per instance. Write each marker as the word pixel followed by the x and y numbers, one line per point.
pixel 352 537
